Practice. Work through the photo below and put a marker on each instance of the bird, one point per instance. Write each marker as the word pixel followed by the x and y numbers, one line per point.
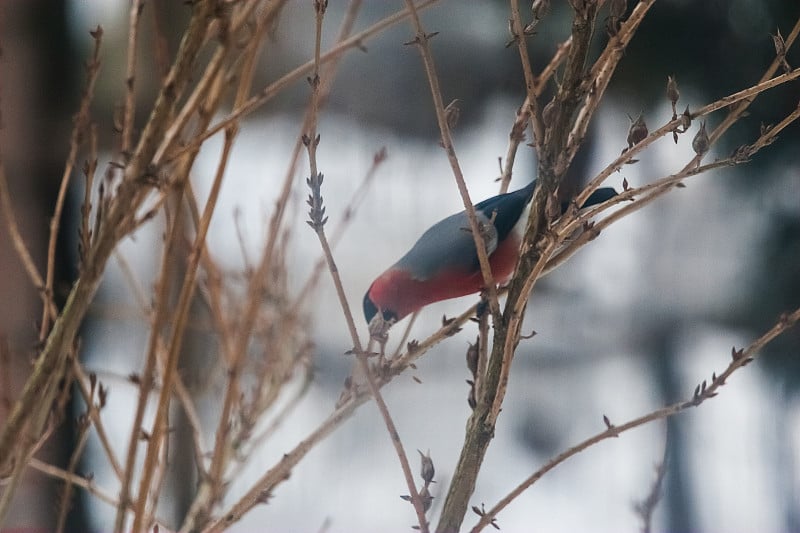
pixel 443 263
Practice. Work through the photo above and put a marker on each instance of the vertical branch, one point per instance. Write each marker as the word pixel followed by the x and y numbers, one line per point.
pixel 130 76
pixel 38 393
pixel 84 423
pixel 520 34
pixel 147 377
pixel 515 137
pixel 317 222
pixel 181 315
pixel 78 131
pixel 421 39
pixel 480 427
pixel 19 243
pixel 89 170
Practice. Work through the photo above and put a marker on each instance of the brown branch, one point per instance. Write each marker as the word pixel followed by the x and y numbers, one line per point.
pixel 263 488
pixel 600 76
pixel 703 392
pixel 176 341
pixel 65 503
pixel 667 128
pixel 739 110
pixel 36 394
pixel 515 137
pixel 317 222
pixel 159 316
pixel 19 244
pixel 209 490
pixel 421 40
pixel 530 82
pixel 373 388
pixel 130 76
pixel 79 481
pixel 480 427
pixel 78 132
pixel 93 412
pixel 337 233
pixel 275 88
pixel 647 506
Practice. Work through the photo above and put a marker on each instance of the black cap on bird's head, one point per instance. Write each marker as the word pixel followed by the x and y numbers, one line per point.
pixel 370 310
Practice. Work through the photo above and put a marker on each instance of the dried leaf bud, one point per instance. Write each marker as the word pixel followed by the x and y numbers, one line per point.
pixel 102 396
pixel 686 119
pixel 638 131
pixel 780 44
pixel 427 471
pixel 472 356
pixel 701 143
pixel 316 213
pixel 540 9
pixel 672 91
pixel 471 399
pixel 617 9
pixel 780 51
pixel 426 497
pixel 452 112
pixel 548 113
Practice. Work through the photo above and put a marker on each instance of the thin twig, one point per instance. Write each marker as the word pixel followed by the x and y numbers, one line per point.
pixel 337 233
pixel 601 74
pixel 37 394
pixel 275 88
pixel 422 41
pixel 19 242
pixel 83 423
pixel 739 110
pixel 317 222
pixel 531 105
pixel 647 506
pixel 176 340
pixel 79 481
pixel 238 348
pixel 93 413
pixel 78 131
pixel 130 75
pixel 480 426
pixel 705 391
pixel 147 378
pixel 406 332
pixel 515 137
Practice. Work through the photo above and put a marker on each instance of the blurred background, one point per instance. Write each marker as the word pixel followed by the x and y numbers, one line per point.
pixel 635 321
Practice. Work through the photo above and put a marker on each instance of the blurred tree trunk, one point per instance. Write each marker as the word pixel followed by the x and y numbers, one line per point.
pixel 678 487
pixel 40 78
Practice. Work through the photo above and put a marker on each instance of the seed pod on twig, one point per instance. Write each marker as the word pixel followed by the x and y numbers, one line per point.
pixel 673 94
pixel 427 470
pixel 638 131
pixel 701 142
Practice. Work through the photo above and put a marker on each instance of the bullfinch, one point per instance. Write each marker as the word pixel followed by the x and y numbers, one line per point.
pixel 444 264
